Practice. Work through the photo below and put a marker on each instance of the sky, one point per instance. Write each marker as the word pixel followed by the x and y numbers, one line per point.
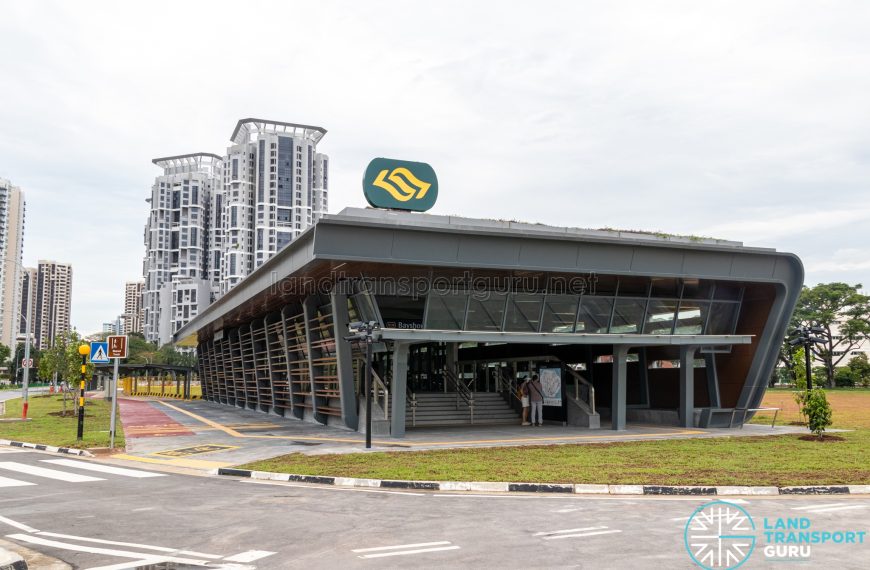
pixel 747 121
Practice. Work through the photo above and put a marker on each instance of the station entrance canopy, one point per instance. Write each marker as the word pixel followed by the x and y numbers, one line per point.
pixel 653 324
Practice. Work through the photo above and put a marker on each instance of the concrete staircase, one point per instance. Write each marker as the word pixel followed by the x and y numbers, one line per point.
pixel 439 409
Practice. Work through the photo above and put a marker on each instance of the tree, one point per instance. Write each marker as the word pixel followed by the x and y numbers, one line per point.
pixel 168 354
pixel 843 313
pixel 63 359
pixel 818 411
pixel 859 369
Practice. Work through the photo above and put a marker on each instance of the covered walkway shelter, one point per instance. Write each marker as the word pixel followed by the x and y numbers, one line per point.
pixel 620 326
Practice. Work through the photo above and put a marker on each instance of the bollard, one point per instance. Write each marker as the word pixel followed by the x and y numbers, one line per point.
pixel 84 350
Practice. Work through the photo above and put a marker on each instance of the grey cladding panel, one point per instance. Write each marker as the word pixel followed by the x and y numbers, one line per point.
pixel 432 247
pixel 488 251
pixel 656 261
pixel 534 253
pixel 707 263
pixel 605 257
pixel 354 242
pixel 753 266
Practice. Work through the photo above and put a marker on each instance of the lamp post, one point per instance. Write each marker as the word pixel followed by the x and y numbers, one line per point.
pixel 26 374
pixel 805 335
pixel 365 331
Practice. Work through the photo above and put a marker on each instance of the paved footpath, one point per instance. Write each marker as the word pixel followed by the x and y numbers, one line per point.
pixel 205 436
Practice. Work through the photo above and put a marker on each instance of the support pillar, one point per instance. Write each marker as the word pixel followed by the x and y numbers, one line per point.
pixel 617 398
pixel 687 386
pixel 344 361
pixel 399 387
pixel 712 380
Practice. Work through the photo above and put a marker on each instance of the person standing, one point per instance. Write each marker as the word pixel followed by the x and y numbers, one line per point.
pixel 524 400
pixel 536 395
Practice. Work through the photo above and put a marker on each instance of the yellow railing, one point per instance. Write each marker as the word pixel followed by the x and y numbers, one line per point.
pixel 158 387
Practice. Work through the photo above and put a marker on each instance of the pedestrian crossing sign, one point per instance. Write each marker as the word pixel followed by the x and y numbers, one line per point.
pixel 99 353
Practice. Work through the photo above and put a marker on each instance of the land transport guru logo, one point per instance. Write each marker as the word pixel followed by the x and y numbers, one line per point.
pixel 400 185
pixel 719 535
pixel 722 536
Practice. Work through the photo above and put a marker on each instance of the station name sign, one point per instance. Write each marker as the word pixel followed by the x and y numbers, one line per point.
pixel 400 185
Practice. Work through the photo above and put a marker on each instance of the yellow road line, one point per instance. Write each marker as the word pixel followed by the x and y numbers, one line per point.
pixel 177 462
pixel 234 433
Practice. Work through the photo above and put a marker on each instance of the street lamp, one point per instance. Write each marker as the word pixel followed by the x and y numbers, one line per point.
pixel 365 331
pixel 805 335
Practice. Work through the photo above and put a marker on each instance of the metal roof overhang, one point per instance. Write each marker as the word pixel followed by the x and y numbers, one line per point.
pixel 425 335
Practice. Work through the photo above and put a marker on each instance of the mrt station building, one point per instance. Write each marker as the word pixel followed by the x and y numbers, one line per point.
pixel 620 326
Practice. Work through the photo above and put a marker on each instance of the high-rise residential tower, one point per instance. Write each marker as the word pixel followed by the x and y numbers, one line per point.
pixel 53 299
pixel 177 281
pixel 275 186
pixel 133 306
pixel 11 252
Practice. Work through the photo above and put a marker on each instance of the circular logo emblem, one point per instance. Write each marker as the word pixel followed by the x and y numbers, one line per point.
pixel 719 536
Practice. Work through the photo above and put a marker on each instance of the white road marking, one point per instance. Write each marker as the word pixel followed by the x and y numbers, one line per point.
pixel 581 534
pixel 547 533
pixel 811 507
pixel 415 545
pixel 834 509
pixel 92 550
pixel 249 556
pixel 6 482
pixel 403 549
pixel 18 525
pixel 103 468
pixel 129 545
pixel 47 473
pixel 566 510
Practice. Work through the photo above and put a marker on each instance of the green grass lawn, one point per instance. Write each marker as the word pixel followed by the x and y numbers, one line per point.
pixel 779 460
pixel 49 428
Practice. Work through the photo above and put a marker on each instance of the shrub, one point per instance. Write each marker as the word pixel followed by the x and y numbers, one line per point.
pixel 843 377
pixel 818 411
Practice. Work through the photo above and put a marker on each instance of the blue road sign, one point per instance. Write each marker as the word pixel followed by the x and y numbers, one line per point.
pixel 100 352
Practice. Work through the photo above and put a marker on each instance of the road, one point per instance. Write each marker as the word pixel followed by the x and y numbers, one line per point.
pixel 6 395
pixel 93 515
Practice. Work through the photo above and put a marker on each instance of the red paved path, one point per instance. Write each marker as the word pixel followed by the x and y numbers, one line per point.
pixel 144 419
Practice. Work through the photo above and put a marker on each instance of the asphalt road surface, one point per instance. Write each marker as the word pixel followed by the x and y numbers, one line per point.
pixel 95 515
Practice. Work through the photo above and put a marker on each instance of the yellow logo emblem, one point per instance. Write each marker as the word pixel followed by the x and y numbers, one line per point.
pixel 404 184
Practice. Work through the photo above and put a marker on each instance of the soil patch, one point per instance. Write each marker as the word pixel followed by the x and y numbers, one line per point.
pixel 824 439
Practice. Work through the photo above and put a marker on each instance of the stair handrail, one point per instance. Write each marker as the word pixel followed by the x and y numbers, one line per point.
pixel 411 400
pixel 462 391
pixel 380 387
pixel 579 379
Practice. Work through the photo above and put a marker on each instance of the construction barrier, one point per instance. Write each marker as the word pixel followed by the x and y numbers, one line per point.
pixel 158 387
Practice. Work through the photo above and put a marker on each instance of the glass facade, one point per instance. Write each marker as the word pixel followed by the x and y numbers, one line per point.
pixel 639 308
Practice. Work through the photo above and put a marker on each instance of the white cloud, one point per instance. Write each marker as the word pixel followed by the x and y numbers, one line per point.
pixel 741 120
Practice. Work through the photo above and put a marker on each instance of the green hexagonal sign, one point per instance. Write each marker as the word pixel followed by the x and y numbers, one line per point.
pixel 400 185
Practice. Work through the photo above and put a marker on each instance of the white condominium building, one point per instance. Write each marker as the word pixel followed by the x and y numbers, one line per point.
pixel 133 291
pixel 11 252
pixel 275 186
pixel 177 281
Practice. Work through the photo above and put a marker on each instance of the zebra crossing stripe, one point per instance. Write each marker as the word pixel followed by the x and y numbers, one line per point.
pixel 47 473
pixel 6 482
pixel 111 469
